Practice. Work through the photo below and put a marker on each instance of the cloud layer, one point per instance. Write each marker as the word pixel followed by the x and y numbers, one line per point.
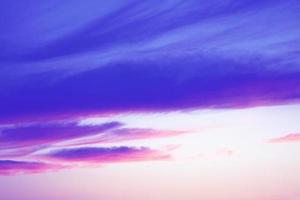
pixel 57 145
pixel 146 56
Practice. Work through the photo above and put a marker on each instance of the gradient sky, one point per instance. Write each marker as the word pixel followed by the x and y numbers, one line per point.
pixel 150 100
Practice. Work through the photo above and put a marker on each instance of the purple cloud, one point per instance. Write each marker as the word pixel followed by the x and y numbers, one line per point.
pixel 130 57
pixel 123 134
pixel 19 152
pixel 127 134
pixel 156 86
pixel 42 134
pixel 12 167
pixel 107 154
pixel 29 140
pixel 65 158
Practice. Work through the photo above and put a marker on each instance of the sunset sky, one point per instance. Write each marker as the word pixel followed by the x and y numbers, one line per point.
pixel 150 100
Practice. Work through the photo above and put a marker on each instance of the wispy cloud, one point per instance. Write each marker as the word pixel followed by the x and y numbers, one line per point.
pixel 41 134
pixel 293 137
pixel 12 167
pixel 59 159
pixel 107 154
pixel 128 134
pixel 63 143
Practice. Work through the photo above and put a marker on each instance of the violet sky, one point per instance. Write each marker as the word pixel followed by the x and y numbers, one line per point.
pixel 151 100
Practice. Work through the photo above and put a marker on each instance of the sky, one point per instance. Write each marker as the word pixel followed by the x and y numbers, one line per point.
pixel 152 100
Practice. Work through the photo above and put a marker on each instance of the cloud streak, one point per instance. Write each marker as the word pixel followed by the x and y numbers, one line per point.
pixel 12 167
pixel 83 156
pixel 107 154
pixel 128 134
pixel 64 143
pixel 293 137
pixel 41 134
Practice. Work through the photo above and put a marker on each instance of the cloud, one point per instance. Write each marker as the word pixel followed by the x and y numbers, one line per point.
pixel 156 86
pixel 294 137
pixel 42 134
pixel 139 133
pixel 12 167
pixel 26 139
pixel 19 152
pixel 107 154
pixel 127 134
pixel 136 56
pixel 83 156
pixel 37 142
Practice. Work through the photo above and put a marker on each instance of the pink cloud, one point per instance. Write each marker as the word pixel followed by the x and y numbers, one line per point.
pixel 293 137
